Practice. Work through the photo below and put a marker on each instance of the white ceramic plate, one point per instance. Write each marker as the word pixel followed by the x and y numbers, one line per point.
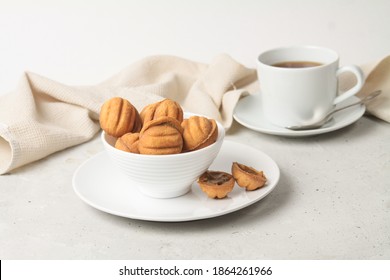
pixel 101 186
pixel 248 113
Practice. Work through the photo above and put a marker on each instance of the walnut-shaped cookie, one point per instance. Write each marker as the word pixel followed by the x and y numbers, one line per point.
pixel 118 117
pixel 164 108
pixel 161 137
pixel 216 184
pixel 199 132
pixel 128 143
pixel 247 177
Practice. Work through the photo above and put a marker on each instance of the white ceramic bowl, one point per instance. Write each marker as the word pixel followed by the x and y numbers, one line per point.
pixel 163 176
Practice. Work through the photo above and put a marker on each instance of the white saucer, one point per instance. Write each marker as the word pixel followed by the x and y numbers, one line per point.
pixel 248 113
pixel 101 186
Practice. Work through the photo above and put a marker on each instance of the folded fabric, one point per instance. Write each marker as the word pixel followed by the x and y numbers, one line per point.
pixel 43 116
pixel 378 78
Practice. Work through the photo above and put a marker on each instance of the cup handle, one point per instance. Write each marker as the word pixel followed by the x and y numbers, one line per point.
pixel 355 89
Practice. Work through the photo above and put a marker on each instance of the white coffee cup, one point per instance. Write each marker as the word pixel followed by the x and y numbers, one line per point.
pixel 299 96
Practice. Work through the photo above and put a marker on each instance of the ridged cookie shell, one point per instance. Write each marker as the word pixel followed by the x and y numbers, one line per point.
pixel 118 117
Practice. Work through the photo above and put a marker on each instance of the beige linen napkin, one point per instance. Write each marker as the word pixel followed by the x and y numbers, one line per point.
pixel 378 78
pixel 43 116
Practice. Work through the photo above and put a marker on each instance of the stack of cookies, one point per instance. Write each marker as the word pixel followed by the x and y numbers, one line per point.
pixel 158 130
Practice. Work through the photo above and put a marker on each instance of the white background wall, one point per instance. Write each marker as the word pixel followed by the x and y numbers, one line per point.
pixel 84 42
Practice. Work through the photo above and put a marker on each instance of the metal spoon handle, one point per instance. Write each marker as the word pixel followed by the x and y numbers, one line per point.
pixel 364 100
pixel 327 117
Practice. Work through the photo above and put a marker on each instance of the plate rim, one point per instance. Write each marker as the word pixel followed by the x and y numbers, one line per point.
pixel 91 203
pixel 359 111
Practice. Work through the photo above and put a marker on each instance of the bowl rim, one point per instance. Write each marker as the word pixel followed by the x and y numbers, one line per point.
pixel 221 136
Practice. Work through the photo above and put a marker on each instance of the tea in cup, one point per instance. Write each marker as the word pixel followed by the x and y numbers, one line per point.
pixel 299 85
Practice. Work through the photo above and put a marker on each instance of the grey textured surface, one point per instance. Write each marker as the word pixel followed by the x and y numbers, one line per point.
pixel 332 202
